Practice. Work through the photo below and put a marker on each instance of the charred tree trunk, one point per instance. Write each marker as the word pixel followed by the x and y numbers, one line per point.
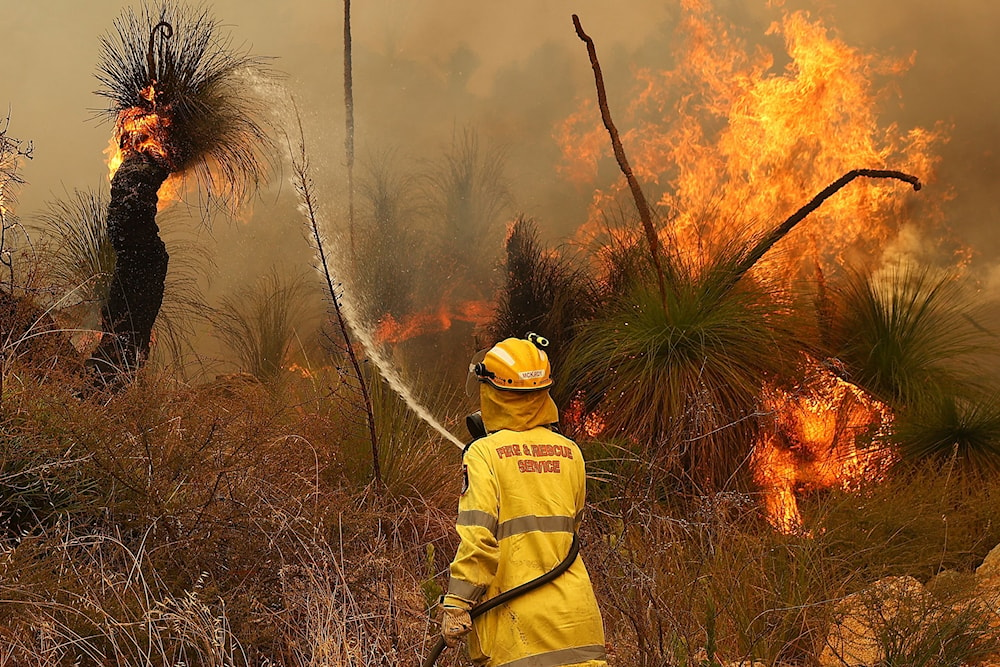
pixel 140 267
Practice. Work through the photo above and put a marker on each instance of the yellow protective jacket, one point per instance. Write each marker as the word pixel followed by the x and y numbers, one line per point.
pixel 522 502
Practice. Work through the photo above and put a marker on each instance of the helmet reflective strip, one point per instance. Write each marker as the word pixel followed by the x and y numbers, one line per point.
pixel 504 356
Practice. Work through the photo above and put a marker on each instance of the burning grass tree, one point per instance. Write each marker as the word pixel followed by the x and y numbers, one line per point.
pixel 681 377
pixel 180 106
pixel 680 382
pixel 683 374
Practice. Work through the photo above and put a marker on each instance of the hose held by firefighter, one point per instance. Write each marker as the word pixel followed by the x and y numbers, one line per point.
pixel 522 500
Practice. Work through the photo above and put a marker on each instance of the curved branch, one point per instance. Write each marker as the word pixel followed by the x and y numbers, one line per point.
pixel 166 31
pixel 781 230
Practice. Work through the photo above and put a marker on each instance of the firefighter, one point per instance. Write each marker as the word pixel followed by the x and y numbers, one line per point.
pixel 522 500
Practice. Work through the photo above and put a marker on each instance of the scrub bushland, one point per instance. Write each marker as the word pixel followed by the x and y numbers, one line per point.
pixel 146 526
pixel 234 522
pixel 675 582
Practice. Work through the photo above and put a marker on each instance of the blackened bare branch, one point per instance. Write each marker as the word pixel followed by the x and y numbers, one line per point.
pixel 640 199
pixel 781 230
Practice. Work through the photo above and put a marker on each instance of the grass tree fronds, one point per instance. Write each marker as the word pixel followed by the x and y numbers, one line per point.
pixel 619 252
pixel 468 192
pixel 260 324
pixel 82 256
pixel 412 462
pixel 906 333
pixel 682 381
pixel 304 188
pixel 389 192
pixel 640 199
pixel 542 292
pixel 179 94
pixel 385 271
pixel 170 75
pixel 949 429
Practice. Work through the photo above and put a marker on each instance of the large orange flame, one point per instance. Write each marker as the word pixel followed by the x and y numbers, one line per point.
pixel 141 130
pixel 828 433
pixel 732 143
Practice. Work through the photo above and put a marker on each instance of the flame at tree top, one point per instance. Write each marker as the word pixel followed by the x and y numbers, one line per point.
pixel 144 131
pixel 178 92
pixel 734 143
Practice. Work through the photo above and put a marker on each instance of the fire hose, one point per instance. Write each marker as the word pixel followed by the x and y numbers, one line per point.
pixel 506 596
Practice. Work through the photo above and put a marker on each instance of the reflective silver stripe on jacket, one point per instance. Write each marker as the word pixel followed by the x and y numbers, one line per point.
pixel 565 656
pixel 465 590
pixel 543 524
pixel 477 518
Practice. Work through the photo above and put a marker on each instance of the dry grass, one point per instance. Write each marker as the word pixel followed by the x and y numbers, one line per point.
pixel 234 523
pixel 226 524
pixel 677 578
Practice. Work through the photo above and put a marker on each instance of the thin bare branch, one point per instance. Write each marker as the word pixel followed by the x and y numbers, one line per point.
pixel 640 199
pixel 303 184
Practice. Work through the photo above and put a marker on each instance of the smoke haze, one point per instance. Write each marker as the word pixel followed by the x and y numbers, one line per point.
pixel 425 72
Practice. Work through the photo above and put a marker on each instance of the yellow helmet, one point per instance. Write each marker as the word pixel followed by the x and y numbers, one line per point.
pixel 516 364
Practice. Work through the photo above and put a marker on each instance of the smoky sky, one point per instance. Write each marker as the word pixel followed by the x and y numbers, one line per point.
pixel 425 70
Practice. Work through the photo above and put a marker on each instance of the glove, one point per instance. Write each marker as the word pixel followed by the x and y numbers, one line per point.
pixel 455 624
